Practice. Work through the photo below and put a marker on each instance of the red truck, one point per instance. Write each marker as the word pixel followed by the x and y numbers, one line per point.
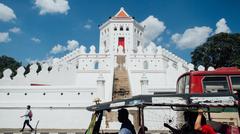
pixel 211 86
pixel 221 80
pixel 225 80
pixel 214 91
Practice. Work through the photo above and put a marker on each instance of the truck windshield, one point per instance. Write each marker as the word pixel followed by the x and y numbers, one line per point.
pixel 183 85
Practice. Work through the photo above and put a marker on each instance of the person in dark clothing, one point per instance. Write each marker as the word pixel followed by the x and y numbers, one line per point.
pixel 27 118
pixel 127 126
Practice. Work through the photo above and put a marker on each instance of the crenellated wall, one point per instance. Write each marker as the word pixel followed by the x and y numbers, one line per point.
pixel 56 76
pixel 82 69
pixel 61 93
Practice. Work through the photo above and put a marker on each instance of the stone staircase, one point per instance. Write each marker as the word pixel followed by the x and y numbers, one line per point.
pixel 121 86
pixel 121 90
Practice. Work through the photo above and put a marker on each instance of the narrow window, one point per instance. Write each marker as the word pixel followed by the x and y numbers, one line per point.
pixel 96 65
pixel 121 28
pixel 127 29
pixel 105 44
pixel 145 65
pixel 115 28
pixel 138 43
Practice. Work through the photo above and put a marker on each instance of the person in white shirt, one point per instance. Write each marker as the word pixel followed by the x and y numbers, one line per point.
pixel 27 118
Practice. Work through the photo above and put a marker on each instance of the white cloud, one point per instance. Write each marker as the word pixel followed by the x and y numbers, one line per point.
pixel 196 36
pixel 6 13
pixel 49 60
pixel 167 45
pixel 153 28
pixel 34 39
pixel 31 61
pixel 159 40
pixel 192 37
pixel 4 37
pixel 222 26
pixel 52 6
pixel 87 26
pixel 72 44
pixel 15 30
pixel 57 49
pixel 168 32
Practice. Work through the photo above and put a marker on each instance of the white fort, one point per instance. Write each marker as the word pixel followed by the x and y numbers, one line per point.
pixel 124 67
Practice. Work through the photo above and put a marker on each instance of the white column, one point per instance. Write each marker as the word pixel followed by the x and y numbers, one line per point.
pixel 101 87
pixel 144 84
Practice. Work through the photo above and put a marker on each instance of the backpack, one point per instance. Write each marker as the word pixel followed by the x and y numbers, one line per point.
pixel 30 115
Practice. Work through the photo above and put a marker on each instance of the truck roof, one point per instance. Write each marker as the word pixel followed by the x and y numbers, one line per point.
pixel 218 71
pixel 171 99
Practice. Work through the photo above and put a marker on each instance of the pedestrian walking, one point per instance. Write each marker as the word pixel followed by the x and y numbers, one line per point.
pixel 28 118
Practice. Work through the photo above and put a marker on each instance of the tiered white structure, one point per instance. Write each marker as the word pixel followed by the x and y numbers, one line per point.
pixel 59 96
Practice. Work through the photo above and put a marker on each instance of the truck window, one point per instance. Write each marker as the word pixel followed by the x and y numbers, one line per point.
pixel 183 85
pixel 216 84
pixel 187 84
pixel 235 82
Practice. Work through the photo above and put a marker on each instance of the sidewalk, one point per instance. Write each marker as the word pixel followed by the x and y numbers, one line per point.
pixel 41 131
pixel 64 131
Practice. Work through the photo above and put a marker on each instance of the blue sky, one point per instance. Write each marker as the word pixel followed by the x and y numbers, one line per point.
pixel 36 30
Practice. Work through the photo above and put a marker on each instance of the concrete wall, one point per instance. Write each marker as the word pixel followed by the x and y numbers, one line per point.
pixel 60 107
pixel 48 118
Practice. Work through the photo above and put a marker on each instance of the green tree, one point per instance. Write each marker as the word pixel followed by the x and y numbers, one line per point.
pixel 220 50
pixel 8 62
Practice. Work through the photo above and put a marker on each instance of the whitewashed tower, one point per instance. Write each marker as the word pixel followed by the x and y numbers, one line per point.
pixel 120 30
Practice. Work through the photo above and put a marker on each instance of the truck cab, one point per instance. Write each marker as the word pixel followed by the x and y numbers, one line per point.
pixel 222 80
pixel 213 87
